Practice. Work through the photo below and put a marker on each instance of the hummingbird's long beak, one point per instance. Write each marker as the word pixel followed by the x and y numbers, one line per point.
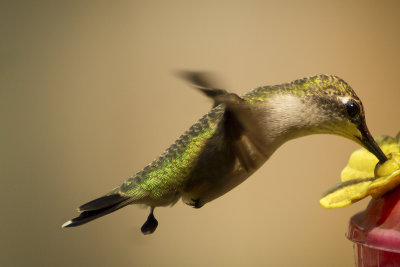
pixel 369 143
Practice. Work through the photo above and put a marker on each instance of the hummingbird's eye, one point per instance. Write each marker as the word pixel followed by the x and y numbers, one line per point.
pixel 353 109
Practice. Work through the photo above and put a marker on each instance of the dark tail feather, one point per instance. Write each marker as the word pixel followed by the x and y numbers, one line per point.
pixel 102 202
pixel 97 208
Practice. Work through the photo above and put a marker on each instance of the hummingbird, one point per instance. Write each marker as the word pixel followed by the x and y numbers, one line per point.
pixel 233 140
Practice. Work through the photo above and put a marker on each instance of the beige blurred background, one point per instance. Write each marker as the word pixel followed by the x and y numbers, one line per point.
pixel 88 97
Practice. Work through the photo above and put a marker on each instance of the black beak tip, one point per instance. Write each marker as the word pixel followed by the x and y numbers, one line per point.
pixel 382 158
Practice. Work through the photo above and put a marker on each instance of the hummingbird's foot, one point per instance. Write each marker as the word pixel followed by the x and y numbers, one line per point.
pixel 151 224
pixel 196 203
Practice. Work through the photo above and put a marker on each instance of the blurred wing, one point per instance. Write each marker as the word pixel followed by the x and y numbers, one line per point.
pixel 244 142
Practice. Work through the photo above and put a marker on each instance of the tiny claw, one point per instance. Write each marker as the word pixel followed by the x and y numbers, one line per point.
pixel 150 225
pixel 196 203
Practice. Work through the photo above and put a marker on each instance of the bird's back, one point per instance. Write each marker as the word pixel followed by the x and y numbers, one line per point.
pixel 161 182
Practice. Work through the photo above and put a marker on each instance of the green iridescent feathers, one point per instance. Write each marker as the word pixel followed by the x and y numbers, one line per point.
pixel 167 173
pixel 311 86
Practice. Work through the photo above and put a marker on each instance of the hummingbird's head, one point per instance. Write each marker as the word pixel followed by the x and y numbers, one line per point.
pixel 338 110
pixel 319 104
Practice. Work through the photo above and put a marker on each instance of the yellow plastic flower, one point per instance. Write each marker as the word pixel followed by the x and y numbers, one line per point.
pixel 363 176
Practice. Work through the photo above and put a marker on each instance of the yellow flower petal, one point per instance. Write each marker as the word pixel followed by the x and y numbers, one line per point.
pixel 345 193
pixel 362 162
pixel 382 185
pixel 364 176
pixel 389 166
pixel 361 165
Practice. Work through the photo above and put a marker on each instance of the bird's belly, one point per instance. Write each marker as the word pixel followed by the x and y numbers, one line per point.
pixel 209 188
